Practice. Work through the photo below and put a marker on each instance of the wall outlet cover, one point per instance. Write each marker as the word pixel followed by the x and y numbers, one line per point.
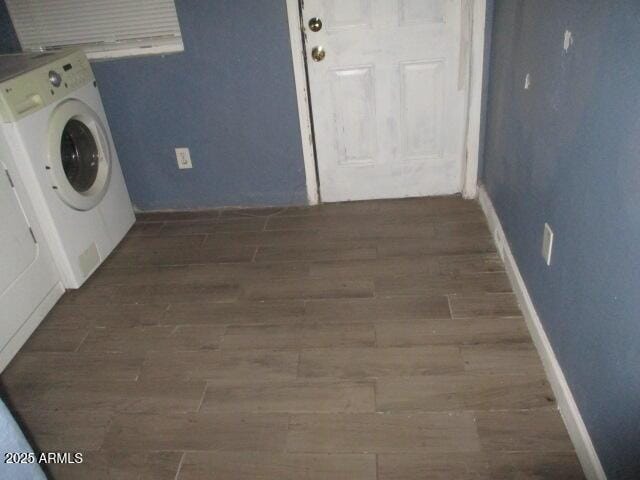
pixel 183 157
pixel 547 243
pixel 568 40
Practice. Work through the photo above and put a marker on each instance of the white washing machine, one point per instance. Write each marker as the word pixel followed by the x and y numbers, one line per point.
pixel 53 121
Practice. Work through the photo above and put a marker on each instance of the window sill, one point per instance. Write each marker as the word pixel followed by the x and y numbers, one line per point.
pixel 110 53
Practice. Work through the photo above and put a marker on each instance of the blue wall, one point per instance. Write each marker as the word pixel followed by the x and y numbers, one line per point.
pixel 230 97
pixel 8 40
pixel 568 152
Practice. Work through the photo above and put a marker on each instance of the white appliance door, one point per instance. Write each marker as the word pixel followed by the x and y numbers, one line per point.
pixel 27 272
pixel 389 97
pixel 79 161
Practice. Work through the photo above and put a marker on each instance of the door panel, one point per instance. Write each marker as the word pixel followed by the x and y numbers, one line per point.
pixel 422 11
pixel 343 14
pixel 354 87
pixel 422 109
pixel 388 113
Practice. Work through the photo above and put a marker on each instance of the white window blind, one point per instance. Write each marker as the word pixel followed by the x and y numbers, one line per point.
pixel 104 28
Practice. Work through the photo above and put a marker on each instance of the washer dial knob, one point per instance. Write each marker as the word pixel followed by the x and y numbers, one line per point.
pixel 54 78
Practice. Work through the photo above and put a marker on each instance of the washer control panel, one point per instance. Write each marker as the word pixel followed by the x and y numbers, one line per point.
pixel 37 88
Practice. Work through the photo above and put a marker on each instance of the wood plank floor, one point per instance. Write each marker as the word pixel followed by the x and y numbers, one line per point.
pixel 360 341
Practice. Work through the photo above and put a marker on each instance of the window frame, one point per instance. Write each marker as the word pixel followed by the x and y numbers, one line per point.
pixel 133 47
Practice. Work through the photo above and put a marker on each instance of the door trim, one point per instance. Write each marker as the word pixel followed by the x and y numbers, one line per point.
pixel 304 110
pixel 474 107
pixel 469 185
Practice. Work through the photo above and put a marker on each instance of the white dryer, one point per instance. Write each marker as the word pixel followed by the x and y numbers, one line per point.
pixel 29 280
pixel 54 123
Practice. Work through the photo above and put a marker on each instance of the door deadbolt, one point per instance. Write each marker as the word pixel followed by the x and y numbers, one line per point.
pixel 318 53
pixel 315 24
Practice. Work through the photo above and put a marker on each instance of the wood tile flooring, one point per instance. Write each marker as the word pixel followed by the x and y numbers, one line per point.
pixel 359 341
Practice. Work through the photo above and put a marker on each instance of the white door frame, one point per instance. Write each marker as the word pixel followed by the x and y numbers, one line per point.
pixel 469 185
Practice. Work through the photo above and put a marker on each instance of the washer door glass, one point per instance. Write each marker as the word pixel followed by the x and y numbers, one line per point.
pixel 79 160
pixel 80 156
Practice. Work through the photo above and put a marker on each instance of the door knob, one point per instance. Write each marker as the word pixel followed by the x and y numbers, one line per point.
pixel 318 53
pixel 315 24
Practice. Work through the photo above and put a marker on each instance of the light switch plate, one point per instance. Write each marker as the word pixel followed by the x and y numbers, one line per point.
pixel 547 243
pixel 183 158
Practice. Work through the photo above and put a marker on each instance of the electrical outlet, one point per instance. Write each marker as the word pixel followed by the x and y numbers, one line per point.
pixel 568 40
pixel 547 243
pixel 184 158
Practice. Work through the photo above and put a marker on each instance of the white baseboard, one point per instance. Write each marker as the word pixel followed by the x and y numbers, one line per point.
pixel 566 404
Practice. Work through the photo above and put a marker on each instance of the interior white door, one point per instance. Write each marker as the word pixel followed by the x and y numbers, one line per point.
pixel 389 98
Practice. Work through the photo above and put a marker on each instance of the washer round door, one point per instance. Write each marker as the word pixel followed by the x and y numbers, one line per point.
pixel 79 155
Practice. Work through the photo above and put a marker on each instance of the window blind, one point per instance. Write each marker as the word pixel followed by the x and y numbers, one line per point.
pixel 104 28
